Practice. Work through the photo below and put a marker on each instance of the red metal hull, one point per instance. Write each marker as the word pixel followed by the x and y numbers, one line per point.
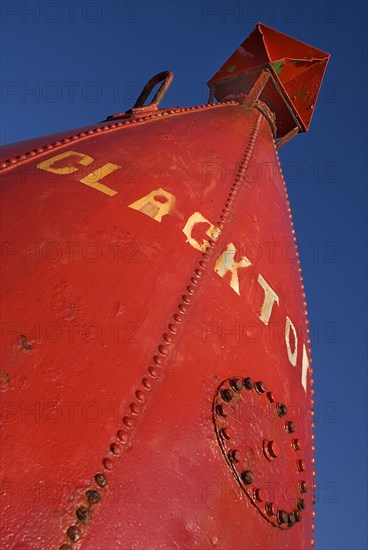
pixel 120 331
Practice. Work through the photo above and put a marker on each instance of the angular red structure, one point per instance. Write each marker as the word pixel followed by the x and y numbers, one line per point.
pixel 155 383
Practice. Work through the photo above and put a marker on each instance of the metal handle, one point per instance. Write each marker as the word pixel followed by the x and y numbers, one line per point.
pixel 166 77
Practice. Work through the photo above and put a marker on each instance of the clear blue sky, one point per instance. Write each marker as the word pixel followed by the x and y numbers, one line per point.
pixel 67 64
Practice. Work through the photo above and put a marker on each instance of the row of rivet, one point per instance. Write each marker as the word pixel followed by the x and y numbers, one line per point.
pixel 146 384
pixel 10 163
pixel 309 350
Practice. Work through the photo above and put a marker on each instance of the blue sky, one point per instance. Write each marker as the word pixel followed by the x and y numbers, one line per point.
pixel 68 64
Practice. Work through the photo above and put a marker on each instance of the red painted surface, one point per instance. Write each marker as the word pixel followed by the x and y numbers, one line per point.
pixel 118 337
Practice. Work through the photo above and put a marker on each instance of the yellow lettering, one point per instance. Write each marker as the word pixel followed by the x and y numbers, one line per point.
pixel 225 262
pixel 92 180
pixel 84 160
pixel 212 231
pixel 269 299
pixel 156 204
pixel 291 355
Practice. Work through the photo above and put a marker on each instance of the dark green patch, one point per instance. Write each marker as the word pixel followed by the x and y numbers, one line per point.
pixel 278 66
pixel 232 68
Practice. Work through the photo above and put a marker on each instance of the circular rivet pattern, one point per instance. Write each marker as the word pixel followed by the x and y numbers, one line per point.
pixel 237 436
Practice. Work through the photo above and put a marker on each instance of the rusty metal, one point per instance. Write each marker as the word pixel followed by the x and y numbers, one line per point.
pixel 198 368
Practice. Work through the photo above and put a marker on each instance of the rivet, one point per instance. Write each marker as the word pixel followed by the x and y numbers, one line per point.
pixel 247 477
pixel 233 455
pixel 281 409
pixel 152 372
pixel 163 349
pixel 115 448
pixel 291 519
pixel 282 517
pixel 190 289
pixel 225 433
pixel 123 436
pixel 182 308
pixel 298 516
pixel 226 394
pixel 259 494
pixel 172 328
pixel 270 510
pixel 236 384
pixel 186 299
pixel 220 411
pixel 134 408
pixel 314 500
pixel 289 426
pixel 146 383
pixel 260 387
pixel 140 395
pixel 101 480
pixel 198 272
pixel 107 463
pixel 65 547
pixel 270 397
pixel 73 532
pixel 157 360
pixel 127 421
pixel 296 444
pixel 303 486
pixel 300 465
pixel 83 513
pixel 202 264
pixel 93 496
pixel 248 383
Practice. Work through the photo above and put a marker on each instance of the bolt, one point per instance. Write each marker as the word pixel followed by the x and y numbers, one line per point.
pixel 101 480
pixel 73 532
pixel 301 504
pixel 220 411
pixel 226 394
pixel 259 494
pixel 225 433
pixel 282 517
pixel 83 513
pixel 271 449
pixel 236 384
pixel 93 496
pixel 270 396
pixel 303 486
pixel 234 455
pixel 289 426
pixel 281 409
pixel 247 477
pixel 248 383
pixel 291 519
pixel 260 387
